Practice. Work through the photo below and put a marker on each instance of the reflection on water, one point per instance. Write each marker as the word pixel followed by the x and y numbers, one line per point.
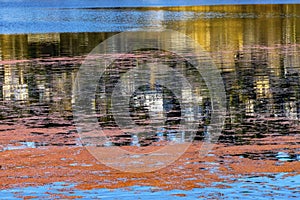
pixel 255 47
pixel 72 16
pixel 252 187
pixel 158 99
pixel 22 145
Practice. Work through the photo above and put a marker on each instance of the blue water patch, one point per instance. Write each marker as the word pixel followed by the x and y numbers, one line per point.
pixel 20 145
pixel 46 20
pixel 268 186
pixel 35 16
pixel 128 3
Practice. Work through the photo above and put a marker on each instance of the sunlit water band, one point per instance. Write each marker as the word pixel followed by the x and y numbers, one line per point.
pixel 56 16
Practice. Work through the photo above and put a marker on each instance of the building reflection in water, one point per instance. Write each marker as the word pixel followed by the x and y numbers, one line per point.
pixel 255 47
pixel 14 87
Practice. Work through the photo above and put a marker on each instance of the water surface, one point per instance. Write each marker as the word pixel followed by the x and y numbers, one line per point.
pixel 255 47
pixel 247 187
pixel 103 16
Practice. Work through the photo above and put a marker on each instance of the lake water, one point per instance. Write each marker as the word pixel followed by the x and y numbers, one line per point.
pixel 33 16
pixel 248 187
pixel 255 47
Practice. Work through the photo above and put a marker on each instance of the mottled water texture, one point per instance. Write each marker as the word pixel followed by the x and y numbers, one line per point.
pixel 248 187
pixel 34 16
pixel 255 47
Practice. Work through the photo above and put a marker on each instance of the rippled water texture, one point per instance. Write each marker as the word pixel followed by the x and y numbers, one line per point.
pixel 255 47
pixel 34 16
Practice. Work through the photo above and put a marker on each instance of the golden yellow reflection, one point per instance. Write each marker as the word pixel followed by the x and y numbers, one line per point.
pixel 255 46
pixel 14 87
